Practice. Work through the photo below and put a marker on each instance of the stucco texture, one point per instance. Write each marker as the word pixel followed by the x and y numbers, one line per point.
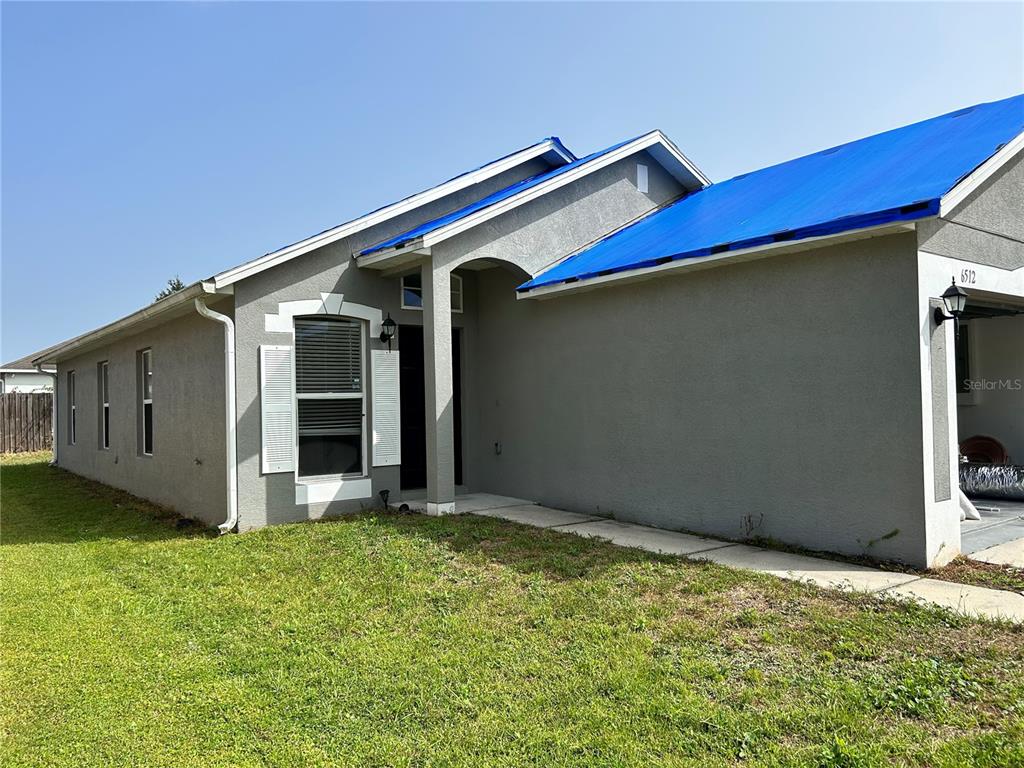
pixel 777 398
pixel 547 228
pixel 186 472
pixel 988 227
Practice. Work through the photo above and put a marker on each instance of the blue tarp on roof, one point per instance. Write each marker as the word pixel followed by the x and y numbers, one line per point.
pixel 496 197
pixel 893 176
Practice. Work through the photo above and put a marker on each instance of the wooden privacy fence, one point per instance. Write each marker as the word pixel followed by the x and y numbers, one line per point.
pixel 26 420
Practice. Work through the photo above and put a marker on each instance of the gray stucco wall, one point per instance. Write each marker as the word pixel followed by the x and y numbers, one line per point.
pixel 941 392
pixel 545 230
pixel 536 233
pixel 988 228
pixel 270 498
pixel 777 398
pixel 186 472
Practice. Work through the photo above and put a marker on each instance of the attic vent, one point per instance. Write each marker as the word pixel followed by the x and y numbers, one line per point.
pixel 641 178
pixel 829 151
pixel 962 112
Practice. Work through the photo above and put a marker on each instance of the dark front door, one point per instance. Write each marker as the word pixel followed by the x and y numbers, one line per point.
pixel 413 406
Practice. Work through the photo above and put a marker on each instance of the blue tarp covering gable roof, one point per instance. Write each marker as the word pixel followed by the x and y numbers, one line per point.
pixel 898 175
pixel 496 197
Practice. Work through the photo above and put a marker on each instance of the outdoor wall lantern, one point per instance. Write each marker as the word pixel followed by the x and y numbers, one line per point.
pixel 387 330
pixel 954 299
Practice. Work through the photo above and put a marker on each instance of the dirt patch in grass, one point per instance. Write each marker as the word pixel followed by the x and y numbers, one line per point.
pixel 963 570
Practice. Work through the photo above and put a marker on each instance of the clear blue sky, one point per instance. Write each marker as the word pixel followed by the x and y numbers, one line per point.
pixel 143 140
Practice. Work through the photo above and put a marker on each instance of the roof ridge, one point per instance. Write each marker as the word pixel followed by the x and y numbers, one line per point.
pixel 836 147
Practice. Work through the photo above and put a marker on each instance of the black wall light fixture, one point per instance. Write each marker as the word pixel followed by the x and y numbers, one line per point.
pixel 387 330
pixel 954 299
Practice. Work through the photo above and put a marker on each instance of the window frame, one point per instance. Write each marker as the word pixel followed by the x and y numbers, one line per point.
pixel 103 382
pixel 145 366
pixel 361 395
pixel 72 408
pixel 457 289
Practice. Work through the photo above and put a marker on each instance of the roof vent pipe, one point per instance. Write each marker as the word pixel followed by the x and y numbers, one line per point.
pixel 229 412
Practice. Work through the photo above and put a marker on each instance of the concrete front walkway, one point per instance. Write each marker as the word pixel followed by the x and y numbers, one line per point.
pixel 832 574
pixel 1010 553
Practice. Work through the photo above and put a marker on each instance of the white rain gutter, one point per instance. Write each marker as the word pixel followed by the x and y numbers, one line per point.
pixel 53 412
pixel 229 411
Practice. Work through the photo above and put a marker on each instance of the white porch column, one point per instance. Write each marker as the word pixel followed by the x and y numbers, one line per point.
pixel 439 390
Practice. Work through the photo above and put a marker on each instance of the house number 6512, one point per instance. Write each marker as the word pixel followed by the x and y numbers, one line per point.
pixel 968 277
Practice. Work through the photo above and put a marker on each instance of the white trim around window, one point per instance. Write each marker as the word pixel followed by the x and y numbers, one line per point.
pixel 146 401
pixel 103 377
pixel 72 410
pixel 411 292
pixel 323 389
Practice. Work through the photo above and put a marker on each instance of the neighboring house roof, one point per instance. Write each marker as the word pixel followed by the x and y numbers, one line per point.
pixel 899 175
pixel 24 365
pixel 430 232
pixel 551 149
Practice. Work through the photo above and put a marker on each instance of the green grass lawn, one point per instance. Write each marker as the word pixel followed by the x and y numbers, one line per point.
pixel 408 640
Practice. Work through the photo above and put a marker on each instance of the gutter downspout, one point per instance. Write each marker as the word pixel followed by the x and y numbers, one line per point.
pixel 53 413
pixel 229 411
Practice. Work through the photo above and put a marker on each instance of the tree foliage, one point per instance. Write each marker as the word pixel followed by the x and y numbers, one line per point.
pixel 173 286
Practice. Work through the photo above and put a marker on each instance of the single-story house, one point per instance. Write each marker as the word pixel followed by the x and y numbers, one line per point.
pixel 765 356
pixel 22 376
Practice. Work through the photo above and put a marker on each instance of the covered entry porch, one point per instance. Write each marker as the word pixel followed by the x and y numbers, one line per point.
pixel 976 414
pixel 442 394
pixel 990 425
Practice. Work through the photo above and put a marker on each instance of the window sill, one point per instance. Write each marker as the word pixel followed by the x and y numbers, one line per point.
pixel 325 490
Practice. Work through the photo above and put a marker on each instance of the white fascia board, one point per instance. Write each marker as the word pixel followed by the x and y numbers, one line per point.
pixel 485 214
pixel 174 301
pixel 387 259
pixel 713 260
pixel 952 199
pixel 653 140
pixel 691 171
pixel 329 236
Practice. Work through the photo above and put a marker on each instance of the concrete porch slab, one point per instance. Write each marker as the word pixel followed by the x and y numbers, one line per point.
pixel 1001 522
pixel 1010 553
pixel 641 537
pixel 962 598
pixel 471 503
pixel 813 570
pixel 536 515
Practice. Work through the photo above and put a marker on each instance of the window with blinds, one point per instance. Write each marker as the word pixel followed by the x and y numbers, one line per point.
pixel 330 394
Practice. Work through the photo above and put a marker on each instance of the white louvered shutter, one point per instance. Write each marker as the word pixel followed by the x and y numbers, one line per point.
pixel 387 421
pixel 276 408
